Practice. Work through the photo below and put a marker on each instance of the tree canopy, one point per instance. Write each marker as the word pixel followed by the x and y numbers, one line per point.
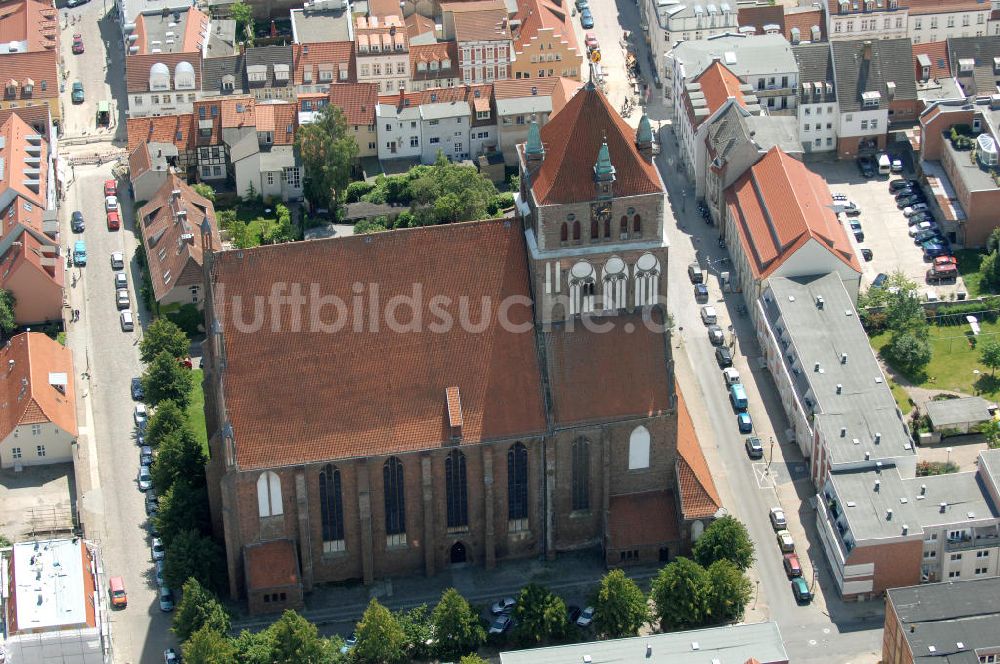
pixel 729 591
pixel 208 646
pixel 725 539
pixel 989 354
pixel 191 554
pixel 680 593
pixel 168 418
pixel 183 507
pixel 620 607
pixel 163 335
pixel 179 456
pixel 327 151
pixel 198 608
pixel 381 639
pixel 166 379
pixel 205 190
pixel 297 641
pixel 541 615
pixel 456 626
pixel 8 302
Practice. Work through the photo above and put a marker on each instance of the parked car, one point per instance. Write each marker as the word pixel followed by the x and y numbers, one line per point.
pixel 80 253
pixel 942 271
pixel 156 546
pixel 110 188
pixel 907 192
pixel 141 416
pixel 152 504
pixel 914 209
pixel 581 5
pixel 922 226
pixel 146 455
pixel 879 280
pixel 349 643
pixel 838 197
pixel 695 273
pixel 918 217
pixel 121 298
pixel 501 624
pixel 867 254
pixel 145 479
pixel 777 518
pixel 754 449
pixel 76 223
pixel 700 292
pixel 800 589
pixel 586 18
pixel 114 221
pixel 715 335
pixel 744 422
pixel 897 166
pixel 790 561
pixel 166 599
pixel 126 321
pixel 586 617
pixel 77 44
pixel 170 656
pixel 934 248
pixel 730 376
pixel 866 167
pixel 909 201
pixel 709 315
pixel 929 234
pixel 76 95
pixel 723 357
pixel 859 234
pixel 137 393
pixel 896 185
pixel 785 541
pixel 505 605
pixel 590 40
pixel 117 260
pixel 110 203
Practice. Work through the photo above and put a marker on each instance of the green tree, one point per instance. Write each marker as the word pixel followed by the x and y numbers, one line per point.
pixel 680 594
pixel 163 335
pixel 327 151
pixel 620 607
pixel 168 418
pixel 367 226
pixel 191 554
pixel 540 615
pixel 989 354
pixel 381 639
pixel 729 591
pixel 993 241
pixel 418 631
pixel 7 320
pixel 204 190
pixel 472 658
pixel 254 647
pixel 242 13
pixel 456 626
pixel 989 269
pixel 183 507
pixel 179 456
pixel 908 352
pixel 209 646
pixel 725 539
pixel 166 379
pixel 991 431
pixel 454 192
pixel 198 608
pixel 297 641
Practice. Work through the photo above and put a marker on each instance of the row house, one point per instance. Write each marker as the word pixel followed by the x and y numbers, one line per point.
pixel 223 76
pixel 318 65
pixel 817 110
pixel 458 122
pixel 158 146
pixel 930 21
pixel 668 22
pixel 179 31
pixel 481 31
pixel 799 25
pixel 545 41
pixel 434 66
pixel 867 19
pixel 381 53
pixel 162 83
pixel 269 72
pixel 29 64
pixel 358 102
pixel 521 102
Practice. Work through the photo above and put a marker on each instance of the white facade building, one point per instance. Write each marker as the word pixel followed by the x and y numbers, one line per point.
pixel 444 126
pixel 398 128
pixel 667 22
pixel 168 90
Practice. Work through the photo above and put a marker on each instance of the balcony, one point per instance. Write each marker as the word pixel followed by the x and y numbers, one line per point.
pixel 967 543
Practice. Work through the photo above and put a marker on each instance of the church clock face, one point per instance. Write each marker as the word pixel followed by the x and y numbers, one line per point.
pixel 601 211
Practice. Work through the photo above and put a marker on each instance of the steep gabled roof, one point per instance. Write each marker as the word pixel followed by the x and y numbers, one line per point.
pixel 25 170
pixel 981 50
pixel 26 385
pixel 317 56
pixel 717 84
pixel 356 100
pixel 699 497
pixel 868 65
pixel 176 129
pixel 935 55
pixel 779 205
pixel 537 15
pixel 572 138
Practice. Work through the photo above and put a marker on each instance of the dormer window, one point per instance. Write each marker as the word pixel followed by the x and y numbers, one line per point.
pixel 228 82
pixel 446 63
pixel 257 73
pixel 281 73
pixel 28 87
pixel 325 75
pixel 434 65
pixel 870 99
pixel 421 66
pixel 343 71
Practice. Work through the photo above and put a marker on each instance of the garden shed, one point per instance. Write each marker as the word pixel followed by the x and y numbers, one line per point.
pixel 958 416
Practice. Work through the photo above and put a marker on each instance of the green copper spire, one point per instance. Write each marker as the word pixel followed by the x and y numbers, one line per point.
pixel 603 169
pixel 645 133
pixel 534 145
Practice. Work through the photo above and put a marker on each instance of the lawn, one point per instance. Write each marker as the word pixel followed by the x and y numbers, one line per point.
pixel 953 361
pixel 968 267
pixel 196 409
pixel 900 395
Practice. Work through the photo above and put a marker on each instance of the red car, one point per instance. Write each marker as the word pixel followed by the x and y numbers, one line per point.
pixel 591 41
pixel 792 566
pixel 114 221
pixel 110 188
pixel 77 44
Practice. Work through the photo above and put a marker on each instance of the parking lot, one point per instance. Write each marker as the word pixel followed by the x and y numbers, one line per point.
pixel 885 228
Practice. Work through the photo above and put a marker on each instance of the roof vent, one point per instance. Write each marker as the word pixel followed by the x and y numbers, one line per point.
pixel 906 529
pixel 878 466
pixel 931 649
pixel 816 367
pixel 868 455
pixel 960 645
pixel 587 659
pixel 943 507
pixel 878 484
pixel 971 515
pixel 819 301
pixel 695 645
pixel 840 388
pixel 649 650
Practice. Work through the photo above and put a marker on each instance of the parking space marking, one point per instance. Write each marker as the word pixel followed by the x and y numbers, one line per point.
pixel 765 480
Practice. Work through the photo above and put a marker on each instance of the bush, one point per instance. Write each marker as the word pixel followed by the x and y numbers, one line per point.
pixel 357 190
pixel 954 314
pixel 188 319
pixel 926 468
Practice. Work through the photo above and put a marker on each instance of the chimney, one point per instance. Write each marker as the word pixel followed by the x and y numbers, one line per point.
pixel 878 438
pixel 402 97
pixel 943 507
pixel 843 358
pixel 453 401
pixel 10 365
pixel 866 54
pixel 906 529
pixel 923 489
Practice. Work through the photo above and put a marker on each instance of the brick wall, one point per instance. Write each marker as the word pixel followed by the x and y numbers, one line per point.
pixel 897 564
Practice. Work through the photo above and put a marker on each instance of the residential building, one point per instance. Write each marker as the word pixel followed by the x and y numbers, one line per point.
pixel 875 88
pixel 974 65
pixel 358 102
pixel 29 64
pixel 519 102
pixel 545 41
pixel 326 21
pixel 318 65
pixel 434 65
pixel 211 151
pixel 817 112
pixel 165 143
pixel 481 32
pixel 162 83
pixel 765 62
pixel 223 76
pixel 381 53
pixel 442 464
pixel 779 223
pixel 868 19
pixel 666 23
pixel 746 642
pixel 932 69
pixel 181 31
pixel 129 10
pixel 931 21
pixel 735 140
pixel 39 402
pixel 172 223
pixel 149 166
pixel 55 602
pixel 799 25
pixel 269 72
pixel 398 128
pixel 708 94
pixel 954 620
pixel 262 155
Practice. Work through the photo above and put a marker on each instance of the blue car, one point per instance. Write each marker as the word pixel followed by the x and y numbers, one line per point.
pixel 79 253
pixel 935 248
pixel 586 18
pixel 745 423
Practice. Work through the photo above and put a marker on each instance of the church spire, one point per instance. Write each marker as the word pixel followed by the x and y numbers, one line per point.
pixel 604 171
pixel 644 138
pixel 534 146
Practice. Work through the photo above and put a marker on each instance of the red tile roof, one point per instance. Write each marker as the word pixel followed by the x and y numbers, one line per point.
pixel 699 497
pixel 466 93
pixel 174 259
pixel 176 129
pixel 481 24
pixel 31 21
pixel 139 161
pixel 572 138
pixel 439 53
pixel 357 101
pixel 538 15
pixel 634 384
pixel 281 119
pixel 25 172
pixel 779 205
pixel 417 25
pixel 23 213
pixel 937 52
pixel 330 396
pixel 273 564
pixel 323 56
pixel 718 84
pixel 238 111
pixel 642 519
pixel 36 71
pixel 26 393
pixel 760 15
pixel 137 68
pixel 383 8
pixel 804 19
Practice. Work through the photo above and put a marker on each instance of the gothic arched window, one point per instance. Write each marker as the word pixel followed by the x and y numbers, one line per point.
pixel 456 490
pixel 564 232
pixel 636 224
pixel 517 482
pixel 581 474
pixel 395 501
pixel 331 506
pixel 576 231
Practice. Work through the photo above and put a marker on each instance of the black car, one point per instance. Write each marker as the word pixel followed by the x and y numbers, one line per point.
pixel 866 253
pixel 723 357
pixel 909 201
pixel 880 280
pixel 76 222
pixel 137 393
pixel 700 292
pixel 754 449
pixel 906 193
pixel 866 167
pixel 896 185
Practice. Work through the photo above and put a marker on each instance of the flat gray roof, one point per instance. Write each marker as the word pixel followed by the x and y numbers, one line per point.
pixel 866 498
pixel 311 26
pixel 445 109
pixel 989 461
pixel 966 500
pixel 758 55
pixel 973 177
pixel 949 412
pixel 849 419
pixel 165 32
pixel 732 644
pixel 946 622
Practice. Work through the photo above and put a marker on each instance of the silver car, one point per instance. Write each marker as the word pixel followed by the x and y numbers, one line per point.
pixel 122 298
pixel 145 479
pixel 127 322
pixel 166 599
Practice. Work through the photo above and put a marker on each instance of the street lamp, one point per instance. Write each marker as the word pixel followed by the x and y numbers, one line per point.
pixel 770 457
pixel 755 593
pixel 948 450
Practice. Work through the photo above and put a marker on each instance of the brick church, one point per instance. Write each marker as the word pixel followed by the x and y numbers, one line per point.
pixel 408 401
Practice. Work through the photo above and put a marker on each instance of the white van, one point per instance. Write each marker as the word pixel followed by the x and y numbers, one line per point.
pixel 884 164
